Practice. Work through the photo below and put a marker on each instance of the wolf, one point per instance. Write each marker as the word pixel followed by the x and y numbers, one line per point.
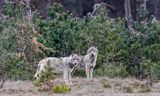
pixel 88 62
pixel 65 65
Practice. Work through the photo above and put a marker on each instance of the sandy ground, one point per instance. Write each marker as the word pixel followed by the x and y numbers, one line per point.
pixel 100 86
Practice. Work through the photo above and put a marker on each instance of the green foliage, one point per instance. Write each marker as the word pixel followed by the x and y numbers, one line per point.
pixel 112 71
pixel 61 32
pixel 121 53
pixel 16 49
pixel 67 34
pixel 119 49
pixel 143 49
pixel 15 66
pixel 61 88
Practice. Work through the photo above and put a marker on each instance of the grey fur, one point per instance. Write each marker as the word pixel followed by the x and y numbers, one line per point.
pixel 64 65
pixel 88 62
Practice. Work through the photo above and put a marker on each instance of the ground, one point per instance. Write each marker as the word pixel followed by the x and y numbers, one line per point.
pixel 99 86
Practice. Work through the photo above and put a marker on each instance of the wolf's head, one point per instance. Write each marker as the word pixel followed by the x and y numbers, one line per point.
pixel 75 59
pixel 92 52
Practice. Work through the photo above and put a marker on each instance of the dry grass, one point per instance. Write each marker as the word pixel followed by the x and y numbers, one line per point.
pixel 145 88
pixel 127 89
pixel 100 86
pixel 118 84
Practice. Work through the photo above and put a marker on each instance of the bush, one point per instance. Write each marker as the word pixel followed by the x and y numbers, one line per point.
pixel 143 51
pixel 17 55
pixel 15 39
pixel 112 71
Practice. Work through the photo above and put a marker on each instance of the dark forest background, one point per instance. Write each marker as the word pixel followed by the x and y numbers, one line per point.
pixel 81 8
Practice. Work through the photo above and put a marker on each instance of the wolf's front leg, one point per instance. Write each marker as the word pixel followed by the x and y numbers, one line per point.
pixel 70 78
pixel 66 76
pixel 87 72
pixel 91 72
pixel 70 74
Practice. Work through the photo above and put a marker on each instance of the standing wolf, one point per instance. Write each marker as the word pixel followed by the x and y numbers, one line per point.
pixel 89 61
pixel 62 64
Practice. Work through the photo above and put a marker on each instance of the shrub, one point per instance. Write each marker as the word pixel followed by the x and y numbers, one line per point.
pixel 15 39
pixel 112 71
pixel 16 49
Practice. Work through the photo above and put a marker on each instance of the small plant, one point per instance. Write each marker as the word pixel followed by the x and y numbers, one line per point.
pixel 61 88
pixel 105 84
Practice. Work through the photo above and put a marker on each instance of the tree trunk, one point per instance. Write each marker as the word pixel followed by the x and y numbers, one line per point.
pixel 157 9
pixel 145 4
pixel 128 15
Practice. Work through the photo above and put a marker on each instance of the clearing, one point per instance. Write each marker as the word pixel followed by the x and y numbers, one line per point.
pixel 99 86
